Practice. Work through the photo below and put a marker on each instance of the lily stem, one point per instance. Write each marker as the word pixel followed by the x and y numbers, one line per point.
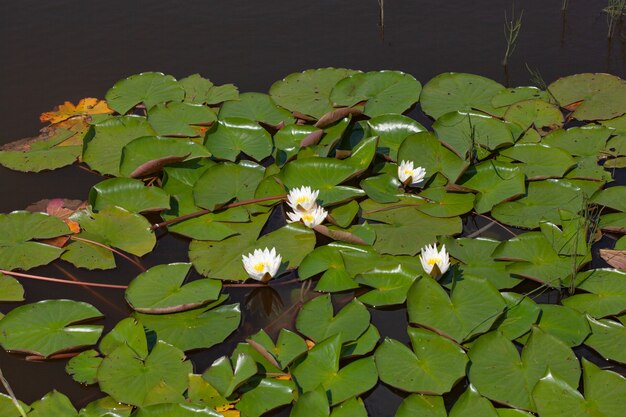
pixel 61 281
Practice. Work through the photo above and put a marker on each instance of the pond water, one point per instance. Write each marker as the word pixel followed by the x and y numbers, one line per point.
pixel 66 50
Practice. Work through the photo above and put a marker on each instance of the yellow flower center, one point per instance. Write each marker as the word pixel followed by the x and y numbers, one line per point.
pixel 307 218
pixel 433 261
pixel 302 199
pixel 408 171
pixel 260 266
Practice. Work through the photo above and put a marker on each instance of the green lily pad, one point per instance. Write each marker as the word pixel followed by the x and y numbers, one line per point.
pixel 520 314
pixel 311 404
pixel 471 308
pixel 612 197
pixel 541 202
pixel 194 329
pixel 83 368
pixel 383 92
pixel 587 140
pixel 225 377
pixel 390 285
pixel 264 395
pixel 452 91
pixel 149 154
pixel 288 141
pixel 602 96
pixel 363 345
pixel 17 231
pixel 473 133
pixel 117 227
pixel 422 405
pixel 225 181
pixel 321 367
pixel 174 119
pixel 128 194
pixel 564 323
pixel 495 182
pixel 43 328
pixel 440 203
pixel 88 255
pixel 149 88
pixel 510 96
pixel 605 293
pixel 495 359
pixel 287 348
pixel 10 289
pixel 229 137
pixel 538 114
pixel 202 392
pixel 103 150
pixel 161 377
pixel 177 410
pixel 106 407
pixel 258 107
pixel 471 403
pixel 540 161
pixel 343 215
pixel 308 92
pixel 382 188
pixel 53 404
pixel 433 366
pixel 607 338
pixel 605 394
pixel 160 290
pixel 199 90
pixel 425 150
pixel 128 332
pixel 613 222
pixel 391 130
pixel 317 322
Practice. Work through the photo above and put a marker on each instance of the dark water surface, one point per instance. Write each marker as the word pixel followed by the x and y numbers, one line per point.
pixel 66 50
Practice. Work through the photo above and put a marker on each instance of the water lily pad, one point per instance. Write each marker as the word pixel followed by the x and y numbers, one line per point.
pixel 321 367
pixel 591 96
pixel 391 130
pixel 343 215
pixel 53 404
pixel 106 407
pixel 264 395
pixel 520 314
pixel 287 348
pixel 565 323
pixel 539 161
pixel 289 140
pixel 177 410
pixel 317 321
pixel 160 290
pixel 607 338
pixel 382 188
pixel 161 377
pixel 229 137
pixel 88 255
pixel 495 182
pixel 10 289
pixel 422 405
pixel 129 194
pixel 605 293
pixel 258 107
pixel 440 203
pixel 308 92
pixel 227 377
pixel 538 114
pixel 119 228
pixel 149 88
pixel 194 329
pixel 149 154
pixel 223 182
pixel 471 308
pixel 452 91
pixel 390 285
pixel 612 197
pixel 425 150
pixel 587 140
pixel 83 368
pixel 605 394
pixel 510 96
pixel 363 345
pixel 471 403
pixel 312 404
pixel 492 354
pixel 542 202
pixel 199 90
pixel 43 328
pixel 174 119
pixel 471 132
pixel 383 92
pixel 128 332
pixel 17 232
pixel 103 149
pixel 433 366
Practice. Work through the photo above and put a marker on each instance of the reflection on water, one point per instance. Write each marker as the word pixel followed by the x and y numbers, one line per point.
pixel 66 50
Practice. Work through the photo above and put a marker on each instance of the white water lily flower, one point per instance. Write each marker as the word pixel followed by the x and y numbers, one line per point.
pixel 431 257
pixel 408 175
pixel 302 199
pixel 310 218
pixel 262 265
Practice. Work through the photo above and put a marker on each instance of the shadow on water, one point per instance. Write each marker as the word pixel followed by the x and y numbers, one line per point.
pixel 67 50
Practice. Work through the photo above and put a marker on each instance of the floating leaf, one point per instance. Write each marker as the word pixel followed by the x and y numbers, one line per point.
pixel 538 114
pixel 607 338
pixel 10 289
pixel 106 407
pixel 229 137
pixel 264 395
pixel 176 119
pixel 422 405
pixel 85 107
pixel 225 181
pixel 83 368
pixel 177 410
pixel 226 378
pixel 315 320
pixel 612 197
pixel 161 377
pixel 199 90
pixel 605 293
pixel 591 96
pixel 390 285
pixel 128 332
pixel 160 290
pixel 587 140
pixel 53 404
pixel 287 348
pixel 88 255
pixel 43 328
pixel 426 151
pixel 258 107
pixel 149 88
pixel 540 161
pixel 391 130
pixel 471 403
pixel 494 359
pixel 382 188
pixel 312 404
pixel 520 314
pixel 495 182
pixel 433 366
pixel 471 308
pixel 128 194
pixel 308 92
pixel 564 323
pixel 383 92
pixel 510 96
pixel 194 329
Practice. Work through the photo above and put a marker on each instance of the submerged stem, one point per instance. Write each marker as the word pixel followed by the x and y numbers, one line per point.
pixel 61 281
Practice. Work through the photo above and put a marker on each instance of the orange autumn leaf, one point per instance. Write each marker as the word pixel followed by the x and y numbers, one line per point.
pixel 85 107
pixel 231 413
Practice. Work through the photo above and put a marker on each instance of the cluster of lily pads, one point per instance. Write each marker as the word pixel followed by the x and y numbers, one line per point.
pixel 368 187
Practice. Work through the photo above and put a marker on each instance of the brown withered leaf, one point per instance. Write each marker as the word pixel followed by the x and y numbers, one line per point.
pixel 85 107
pixel 337 114
pixel 615 258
